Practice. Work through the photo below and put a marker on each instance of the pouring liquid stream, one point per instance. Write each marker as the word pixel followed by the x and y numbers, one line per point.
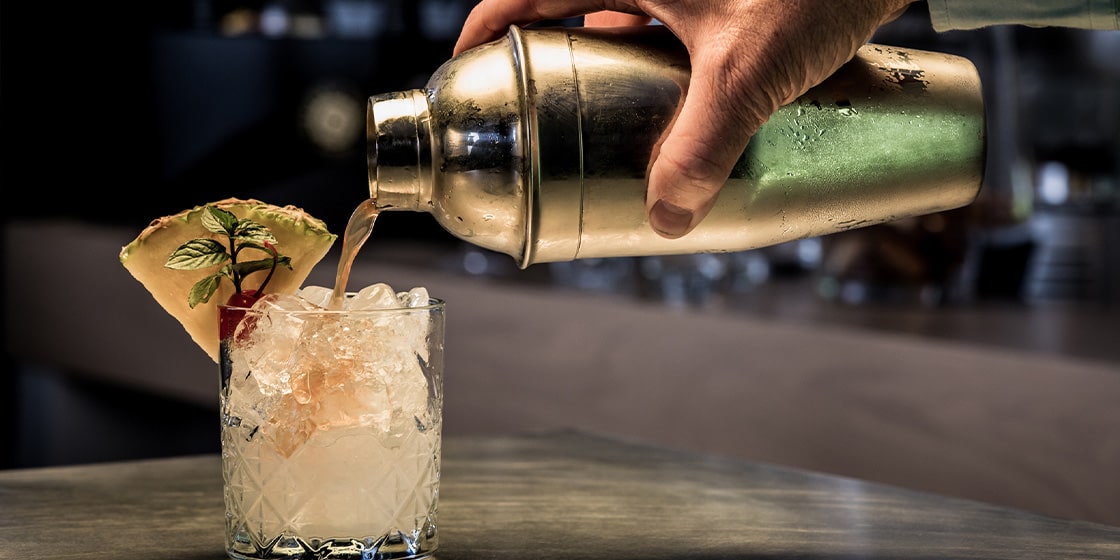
pixel 357 232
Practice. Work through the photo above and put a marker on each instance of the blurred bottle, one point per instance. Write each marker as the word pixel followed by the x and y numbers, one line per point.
pixel 910 261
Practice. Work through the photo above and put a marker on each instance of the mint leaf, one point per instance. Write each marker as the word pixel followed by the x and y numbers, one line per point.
pixel 250 231
pixel 203 290
pixel 219 221
pixel 245 268
pixel 204 252
pixel 196 254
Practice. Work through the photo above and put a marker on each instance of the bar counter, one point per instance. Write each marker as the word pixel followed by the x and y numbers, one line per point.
pixel 556 495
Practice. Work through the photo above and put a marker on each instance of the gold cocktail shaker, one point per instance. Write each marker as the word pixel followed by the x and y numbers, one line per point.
pixel 536 145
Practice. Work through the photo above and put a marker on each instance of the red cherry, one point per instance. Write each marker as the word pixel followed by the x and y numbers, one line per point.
pixel 229 317
pixel 243 299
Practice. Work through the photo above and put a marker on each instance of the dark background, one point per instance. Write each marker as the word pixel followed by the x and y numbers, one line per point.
pixel 116 114
pixel 119 115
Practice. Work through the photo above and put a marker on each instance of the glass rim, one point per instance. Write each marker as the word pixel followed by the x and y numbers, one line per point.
pixel 432 305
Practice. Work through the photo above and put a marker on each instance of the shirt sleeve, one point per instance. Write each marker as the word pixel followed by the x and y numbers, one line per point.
pixel 950 15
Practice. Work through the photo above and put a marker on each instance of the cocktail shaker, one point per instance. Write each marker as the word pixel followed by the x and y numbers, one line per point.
pixel 536 145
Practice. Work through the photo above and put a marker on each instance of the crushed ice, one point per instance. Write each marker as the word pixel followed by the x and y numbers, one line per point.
pixel 305 373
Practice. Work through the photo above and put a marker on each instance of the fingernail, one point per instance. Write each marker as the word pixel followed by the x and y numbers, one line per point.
pixel 669 220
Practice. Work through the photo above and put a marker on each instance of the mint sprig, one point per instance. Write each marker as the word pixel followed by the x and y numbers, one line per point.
pixel 241 234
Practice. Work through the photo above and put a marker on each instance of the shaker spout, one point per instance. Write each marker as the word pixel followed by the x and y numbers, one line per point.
pixel 398 156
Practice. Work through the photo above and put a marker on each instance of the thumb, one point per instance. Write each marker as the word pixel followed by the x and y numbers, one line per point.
pixel 696 156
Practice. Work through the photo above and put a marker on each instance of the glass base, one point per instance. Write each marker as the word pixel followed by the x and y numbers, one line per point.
pixel 398 546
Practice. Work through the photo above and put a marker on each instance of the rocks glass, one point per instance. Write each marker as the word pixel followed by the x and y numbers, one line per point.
pixel 331 427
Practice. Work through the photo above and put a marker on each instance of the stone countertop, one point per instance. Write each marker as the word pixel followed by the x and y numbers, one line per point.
pixel 558 495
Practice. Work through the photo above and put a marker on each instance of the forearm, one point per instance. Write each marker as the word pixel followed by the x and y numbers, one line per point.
pixel 971 14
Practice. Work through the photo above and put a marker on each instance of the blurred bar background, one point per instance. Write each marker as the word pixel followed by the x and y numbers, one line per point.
pixel 116 114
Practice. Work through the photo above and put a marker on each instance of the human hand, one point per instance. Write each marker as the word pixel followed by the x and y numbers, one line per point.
pixel 749 58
